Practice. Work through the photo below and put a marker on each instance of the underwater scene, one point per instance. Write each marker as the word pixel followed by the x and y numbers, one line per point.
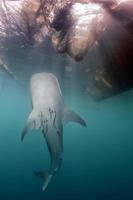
pixel 66 93
pixel 97 160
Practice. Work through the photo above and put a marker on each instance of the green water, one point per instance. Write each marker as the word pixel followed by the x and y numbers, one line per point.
pixel 97 160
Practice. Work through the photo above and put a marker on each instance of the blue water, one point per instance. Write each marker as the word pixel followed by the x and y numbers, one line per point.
pixel 97 160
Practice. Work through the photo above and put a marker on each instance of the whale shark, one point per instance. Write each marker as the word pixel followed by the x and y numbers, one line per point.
pixel 49 114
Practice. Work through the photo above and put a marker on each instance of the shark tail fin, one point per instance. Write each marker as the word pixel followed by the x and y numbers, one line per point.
pixel 71 116
pixel 32 122
pixel 46 178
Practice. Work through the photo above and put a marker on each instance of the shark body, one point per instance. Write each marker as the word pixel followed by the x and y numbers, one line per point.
pixel 49 114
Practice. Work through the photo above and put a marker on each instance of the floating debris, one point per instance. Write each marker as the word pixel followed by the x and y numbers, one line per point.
pixel 100 77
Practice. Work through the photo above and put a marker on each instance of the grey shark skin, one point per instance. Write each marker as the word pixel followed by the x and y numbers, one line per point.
pixel 49 114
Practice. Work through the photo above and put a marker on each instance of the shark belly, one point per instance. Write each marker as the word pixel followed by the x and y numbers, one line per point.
pixel 48 115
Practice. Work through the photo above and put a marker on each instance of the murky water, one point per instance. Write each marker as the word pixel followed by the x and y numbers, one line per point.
pixel 97 161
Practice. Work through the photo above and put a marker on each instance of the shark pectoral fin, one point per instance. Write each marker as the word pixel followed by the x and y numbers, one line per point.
pixel 29 125
pixel 71 116
pixel 46 178
pixel 25 130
